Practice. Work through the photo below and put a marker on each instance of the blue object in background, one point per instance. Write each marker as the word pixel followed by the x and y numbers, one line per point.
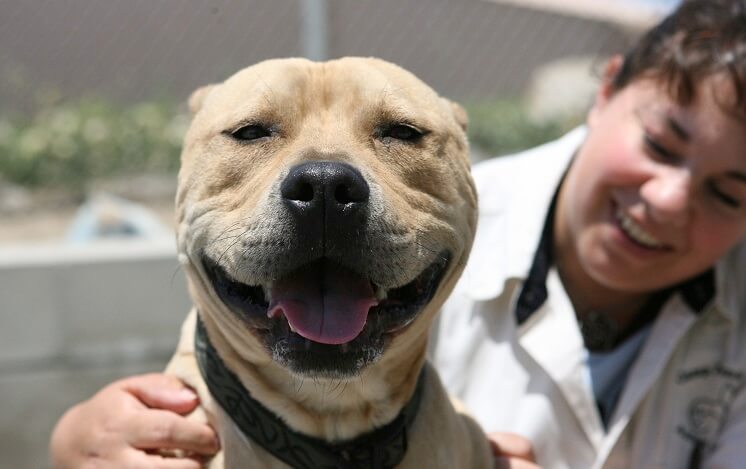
pixel 661 6
pixel 105 216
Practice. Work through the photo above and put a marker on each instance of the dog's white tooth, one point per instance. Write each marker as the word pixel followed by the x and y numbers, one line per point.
pixel 292 329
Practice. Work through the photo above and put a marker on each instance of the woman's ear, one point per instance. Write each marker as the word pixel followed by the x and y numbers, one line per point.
pixel 606 89
pixel 197 98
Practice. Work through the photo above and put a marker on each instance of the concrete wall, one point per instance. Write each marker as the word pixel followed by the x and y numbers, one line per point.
pixel 73 319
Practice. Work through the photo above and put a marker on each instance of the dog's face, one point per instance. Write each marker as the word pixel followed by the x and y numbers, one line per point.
pixel 325 210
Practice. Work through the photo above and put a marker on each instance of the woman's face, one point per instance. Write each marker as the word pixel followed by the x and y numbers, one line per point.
pixel 657 193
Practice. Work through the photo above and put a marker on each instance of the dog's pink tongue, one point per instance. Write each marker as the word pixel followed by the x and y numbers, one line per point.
pixel 323 302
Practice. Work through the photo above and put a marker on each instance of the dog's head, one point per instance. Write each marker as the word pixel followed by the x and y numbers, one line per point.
pixel 324 210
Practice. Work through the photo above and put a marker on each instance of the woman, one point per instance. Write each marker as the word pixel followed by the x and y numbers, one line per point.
pixel 602 315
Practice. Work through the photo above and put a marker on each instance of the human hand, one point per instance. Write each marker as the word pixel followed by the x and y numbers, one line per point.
pixel 127 424
pixel 512 451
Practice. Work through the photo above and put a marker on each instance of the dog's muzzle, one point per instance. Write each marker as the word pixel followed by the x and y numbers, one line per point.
pixel 323 317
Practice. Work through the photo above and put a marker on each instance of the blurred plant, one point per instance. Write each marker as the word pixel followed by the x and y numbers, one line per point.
pixel 503 126
pixel 70 144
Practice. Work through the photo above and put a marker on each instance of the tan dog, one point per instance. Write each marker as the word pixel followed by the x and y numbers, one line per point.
pixel 325 211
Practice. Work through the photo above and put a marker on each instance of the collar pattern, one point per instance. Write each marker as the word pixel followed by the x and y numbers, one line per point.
pixel 381 448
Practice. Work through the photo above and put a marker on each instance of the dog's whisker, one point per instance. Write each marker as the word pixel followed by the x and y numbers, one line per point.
pixel 233 226
pixel 341 388
pixel 426 248
pixel 229 231
pixel 300 385
pixel 337 386
pixel 432 251
pixel 225 238
pixel 173 276
pixel 344 388
pixel 238 238
pixel 459 263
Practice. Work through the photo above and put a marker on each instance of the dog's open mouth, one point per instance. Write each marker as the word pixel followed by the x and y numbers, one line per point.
pixel 324 318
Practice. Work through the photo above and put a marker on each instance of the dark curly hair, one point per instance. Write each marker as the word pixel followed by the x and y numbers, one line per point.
pixel 701 38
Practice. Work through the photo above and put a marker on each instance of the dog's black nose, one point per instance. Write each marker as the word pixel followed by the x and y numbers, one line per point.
pixel 325 188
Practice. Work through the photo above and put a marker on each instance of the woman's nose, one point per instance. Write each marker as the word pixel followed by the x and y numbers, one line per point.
pixel 667 196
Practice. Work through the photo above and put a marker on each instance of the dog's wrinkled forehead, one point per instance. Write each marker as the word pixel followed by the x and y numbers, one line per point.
pixel 291 89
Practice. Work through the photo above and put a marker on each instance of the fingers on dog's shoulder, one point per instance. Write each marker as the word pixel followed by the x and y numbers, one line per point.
pixel 160 429
pixel 138 459
pixel 149 380
pixel 160 391
pixel 512 445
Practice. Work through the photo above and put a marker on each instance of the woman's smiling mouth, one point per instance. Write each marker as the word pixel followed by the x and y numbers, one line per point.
pixel 636 233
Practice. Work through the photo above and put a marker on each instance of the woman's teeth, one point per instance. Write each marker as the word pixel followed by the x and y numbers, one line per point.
pixel 635 231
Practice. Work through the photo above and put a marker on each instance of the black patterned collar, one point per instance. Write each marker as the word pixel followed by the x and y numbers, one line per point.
pixel 381 448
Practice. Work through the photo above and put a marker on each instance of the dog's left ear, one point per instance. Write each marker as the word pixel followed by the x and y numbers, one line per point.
pixel 197 98
pixel 459 113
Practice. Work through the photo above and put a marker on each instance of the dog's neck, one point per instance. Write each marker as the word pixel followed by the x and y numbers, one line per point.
pixel 323 408
pixel 380 447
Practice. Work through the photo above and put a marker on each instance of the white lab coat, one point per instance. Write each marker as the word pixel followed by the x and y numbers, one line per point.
pixel 684 393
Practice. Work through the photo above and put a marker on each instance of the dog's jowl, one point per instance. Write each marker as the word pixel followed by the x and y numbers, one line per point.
pixel 325 211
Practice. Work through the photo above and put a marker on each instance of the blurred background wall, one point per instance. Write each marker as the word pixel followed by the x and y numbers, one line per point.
pixel 91 118
pixel 137 49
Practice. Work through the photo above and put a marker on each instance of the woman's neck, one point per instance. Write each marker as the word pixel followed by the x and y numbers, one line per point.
pixel 585 293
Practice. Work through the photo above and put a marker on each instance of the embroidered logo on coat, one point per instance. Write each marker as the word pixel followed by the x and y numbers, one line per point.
pixel 706 414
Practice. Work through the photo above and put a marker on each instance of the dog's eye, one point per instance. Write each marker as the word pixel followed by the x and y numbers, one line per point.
pixel 403 132
pixel 251 132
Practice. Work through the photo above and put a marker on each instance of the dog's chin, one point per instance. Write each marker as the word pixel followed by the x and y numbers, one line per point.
pixel 390 314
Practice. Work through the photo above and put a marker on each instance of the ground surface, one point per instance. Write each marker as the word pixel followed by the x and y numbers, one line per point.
pixel 45 215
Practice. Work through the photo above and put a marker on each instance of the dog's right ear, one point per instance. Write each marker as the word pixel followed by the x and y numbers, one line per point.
pixel 197 98
pixel 459 113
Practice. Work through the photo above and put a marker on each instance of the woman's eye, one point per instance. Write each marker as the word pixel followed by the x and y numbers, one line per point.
pixel 660 150
pixel 725 198
pixel 251 132
pixel 403 132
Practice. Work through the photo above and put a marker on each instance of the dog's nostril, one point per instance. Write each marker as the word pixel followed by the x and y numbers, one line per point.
pixel 304 192
pixel 298 190
pixel 343 195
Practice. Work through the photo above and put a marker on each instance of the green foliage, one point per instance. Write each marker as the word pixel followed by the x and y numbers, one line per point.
pixel 501 127
pixel 70 144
